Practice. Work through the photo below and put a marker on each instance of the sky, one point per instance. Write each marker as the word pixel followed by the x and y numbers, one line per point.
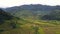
pixel 11 3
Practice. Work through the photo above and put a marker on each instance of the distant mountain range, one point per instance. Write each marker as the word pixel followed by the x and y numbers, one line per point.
pixel 31 10
pixel 34 7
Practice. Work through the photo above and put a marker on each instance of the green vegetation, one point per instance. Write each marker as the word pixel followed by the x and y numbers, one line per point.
pixel 28 22
pixel 41 31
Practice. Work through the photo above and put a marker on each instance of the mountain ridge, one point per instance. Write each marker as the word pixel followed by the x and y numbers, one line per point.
pixel 36 6
pixel 34 9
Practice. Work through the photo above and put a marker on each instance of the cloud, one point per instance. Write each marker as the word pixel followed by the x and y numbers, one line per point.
pixel 9 3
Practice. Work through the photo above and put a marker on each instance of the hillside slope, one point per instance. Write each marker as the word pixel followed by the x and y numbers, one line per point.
pixel 30 22
pixel 33 10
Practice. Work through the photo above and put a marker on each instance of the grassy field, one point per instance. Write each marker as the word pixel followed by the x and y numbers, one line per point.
pixel 33 27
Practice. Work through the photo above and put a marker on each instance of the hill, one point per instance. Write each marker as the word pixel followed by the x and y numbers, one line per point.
pixel 8 22
pixel 32 19
pixel 32 11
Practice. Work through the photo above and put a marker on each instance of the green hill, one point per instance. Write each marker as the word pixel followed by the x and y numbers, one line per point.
pixel 28 20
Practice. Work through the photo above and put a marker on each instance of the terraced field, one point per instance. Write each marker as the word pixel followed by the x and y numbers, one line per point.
pixel 34 28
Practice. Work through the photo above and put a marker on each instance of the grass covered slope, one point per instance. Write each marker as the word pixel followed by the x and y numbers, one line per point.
pixel 28 27
pixel 14 25
pixel 7 21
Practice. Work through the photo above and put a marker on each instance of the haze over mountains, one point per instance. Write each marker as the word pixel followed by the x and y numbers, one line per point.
pixel 35 7
pixel 32 10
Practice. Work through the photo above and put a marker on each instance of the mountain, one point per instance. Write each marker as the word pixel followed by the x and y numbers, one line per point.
pixel 33 9
pixel 13 21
